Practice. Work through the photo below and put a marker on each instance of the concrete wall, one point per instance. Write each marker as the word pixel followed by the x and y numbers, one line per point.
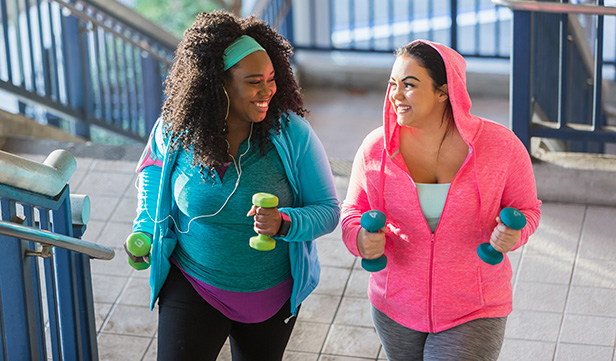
pixel 370 71
pixel 17 125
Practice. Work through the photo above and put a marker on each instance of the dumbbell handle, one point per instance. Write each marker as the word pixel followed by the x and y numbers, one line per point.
pixel 372 221
pixel 511 218
pixel 261 242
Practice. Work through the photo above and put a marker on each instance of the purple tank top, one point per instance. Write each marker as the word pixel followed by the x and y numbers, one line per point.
pixel 245 307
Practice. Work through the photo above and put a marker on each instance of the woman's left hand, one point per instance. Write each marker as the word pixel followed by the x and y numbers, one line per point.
pixel 267 220
pixel 503 238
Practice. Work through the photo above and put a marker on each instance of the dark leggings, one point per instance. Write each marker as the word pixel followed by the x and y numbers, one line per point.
pixel 189 328
pixel 477 340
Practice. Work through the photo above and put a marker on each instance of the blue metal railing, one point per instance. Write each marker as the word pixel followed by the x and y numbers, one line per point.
pixel 60 300
pixel 80 64
pixel 87 64
pixel 560 102
pixel 475 28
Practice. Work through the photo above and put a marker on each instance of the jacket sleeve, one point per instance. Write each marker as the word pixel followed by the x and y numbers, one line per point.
pixel 520 190
pixel 319 211
pixel 149 171
pixel 355 203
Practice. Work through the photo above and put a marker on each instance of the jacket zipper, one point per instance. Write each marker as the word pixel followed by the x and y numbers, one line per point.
pixel 432 246
pixel 432 239
pixel 431 285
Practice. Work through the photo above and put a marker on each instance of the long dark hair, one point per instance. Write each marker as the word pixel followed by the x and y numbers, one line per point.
pixel 431 60
pixel 195 106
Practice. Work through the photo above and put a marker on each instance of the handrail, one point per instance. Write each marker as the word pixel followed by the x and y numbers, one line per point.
pixel 283 13
pixel 136 21
pixel 553 7
pixel 47 178
pixel 142 24
pixel 259 7
pixel 56 239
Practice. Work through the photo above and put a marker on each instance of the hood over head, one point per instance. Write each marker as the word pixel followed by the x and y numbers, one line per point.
pixel 455 66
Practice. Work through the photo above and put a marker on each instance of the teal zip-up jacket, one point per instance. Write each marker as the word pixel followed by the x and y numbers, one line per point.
pixel 315 210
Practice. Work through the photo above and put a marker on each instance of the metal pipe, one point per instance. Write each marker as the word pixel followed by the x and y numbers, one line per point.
pixel 56 239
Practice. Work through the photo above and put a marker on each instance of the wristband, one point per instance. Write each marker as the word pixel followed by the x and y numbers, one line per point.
pixel 285 225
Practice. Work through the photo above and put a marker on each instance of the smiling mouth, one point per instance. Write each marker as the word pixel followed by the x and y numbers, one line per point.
pixel 402 108
pixel 261 104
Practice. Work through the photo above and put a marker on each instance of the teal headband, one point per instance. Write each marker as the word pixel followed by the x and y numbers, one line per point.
pixel 239 49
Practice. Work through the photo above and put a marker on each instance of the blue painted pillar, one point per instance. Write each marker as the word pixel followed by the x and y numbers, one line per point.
pixel 75 52
pixel 520 105
pixel 453 30
pixel 18 340
pixel 152 90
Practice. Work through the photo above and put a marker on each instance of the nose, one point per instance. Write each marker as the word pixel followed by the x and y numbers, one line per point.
pixel 396 93
pixel 267 89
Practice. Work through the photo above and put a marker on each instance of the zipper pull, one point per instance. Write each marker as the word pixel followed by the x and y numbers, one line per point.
pixel 288 318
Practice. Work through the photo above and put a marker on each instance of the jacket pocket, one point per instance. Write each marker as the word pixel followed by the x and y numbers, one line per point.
pixel 459 297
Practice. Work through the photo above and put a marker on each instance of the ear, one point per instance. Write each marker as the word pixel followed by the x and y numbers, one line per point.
pixel 444 93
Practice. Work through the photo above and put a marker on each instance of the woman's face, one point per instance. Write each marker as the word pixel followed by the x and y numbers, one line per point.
pixel 250 87
pixel 413 96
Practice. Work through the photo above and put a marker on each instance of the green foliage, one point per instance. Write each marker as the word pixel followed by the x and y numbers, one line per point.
pixel 174 15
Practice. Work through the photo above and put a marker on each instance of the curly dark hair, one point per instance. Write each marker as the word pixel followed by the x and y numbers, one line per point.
pixel 195 106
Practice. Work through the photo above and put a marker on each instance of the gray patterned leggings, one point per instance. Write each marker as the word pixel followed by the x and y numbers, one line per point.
pixel 477 340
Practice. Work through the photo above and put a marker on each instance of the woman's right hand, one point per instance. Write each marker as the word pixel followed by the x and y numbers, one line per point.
pixel 371 245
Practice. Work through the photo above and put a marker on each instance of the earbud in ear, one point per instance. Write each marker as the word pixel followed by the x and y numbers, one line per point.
pixel 228 102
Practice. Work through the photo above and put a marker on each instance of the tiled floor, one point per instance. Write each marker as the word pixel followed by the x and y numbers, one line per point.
pixel 564 279
pixel 564 282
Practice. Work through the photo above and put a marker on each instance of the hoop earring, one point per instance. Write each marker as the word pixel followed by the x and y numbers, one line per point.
pixel 228 102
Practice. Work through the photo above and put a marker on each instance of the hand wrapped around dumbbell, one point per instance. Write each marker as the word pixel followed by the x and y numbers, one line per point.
pixel 138 246
pixel 266 202
pixel 373 222
pixel 510 218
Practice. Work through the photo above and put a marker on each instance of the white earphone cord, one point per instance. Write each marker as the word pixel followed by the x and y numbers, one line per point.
pixel 238 169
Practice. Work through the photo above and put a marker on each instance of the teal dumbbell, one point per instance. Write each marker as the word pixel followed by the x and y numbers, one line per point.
pixel 138 244
pixel 262 242
pixel 511 218
pixel 373 221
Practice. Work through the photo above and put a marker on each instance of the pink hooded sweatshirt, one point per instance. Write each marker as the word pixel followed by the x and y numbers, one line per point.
pixel 435 281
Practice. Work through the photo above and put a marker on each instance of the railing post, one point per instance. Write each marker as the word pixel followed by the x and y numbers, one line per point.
pixel 453 30
pixel 52 303
pixel 67 284
pixel 76 70
pixel 521 77
pixel 597 99
pixel 16 316
pixel 152 90
pixel 35 281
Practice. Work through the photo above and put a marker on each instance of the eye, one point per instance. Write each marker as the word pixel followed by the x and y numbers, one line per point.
pixel 408 85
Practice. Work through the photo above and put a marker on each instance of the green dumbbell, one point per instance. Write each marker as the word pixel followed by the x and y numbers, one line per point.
pixel 262 242
pixel 138 244
pixel 511 218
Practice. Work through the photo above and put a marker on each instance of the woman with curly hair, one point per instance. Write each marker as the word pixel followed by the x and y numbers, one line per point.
pixel 231 126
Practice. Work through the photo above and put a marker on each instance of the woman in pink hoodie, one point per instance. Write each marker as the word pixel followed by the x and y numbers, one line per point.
pixel 441 176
